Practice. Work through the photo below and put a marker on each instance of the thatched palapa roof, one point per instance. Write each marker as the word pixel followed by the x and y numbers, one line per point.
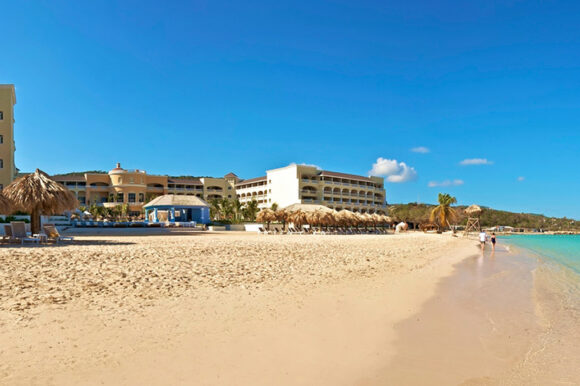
pixel 307 208
pixel 473 210
pixel 6 206
pixel 36 192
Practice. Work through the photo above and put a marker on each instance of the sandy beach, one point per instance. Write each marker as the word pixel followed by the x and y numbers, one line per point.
pixel 213 308
pixel 240 308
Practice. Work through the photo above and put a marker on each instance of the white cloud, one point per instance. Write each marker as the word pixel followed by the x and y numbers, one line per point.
pixel 433 184
pixel 521 178
pixel 305 164
pixel 394 171
pixel 476 161
pixel 420 149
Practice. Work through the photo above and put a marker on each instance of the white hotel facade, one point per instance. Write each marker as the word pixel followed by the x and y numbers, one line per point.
pixel 308 185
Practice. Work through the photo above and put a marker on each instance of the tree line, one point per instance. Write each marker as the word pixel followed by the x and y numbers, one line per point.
pixel 416 214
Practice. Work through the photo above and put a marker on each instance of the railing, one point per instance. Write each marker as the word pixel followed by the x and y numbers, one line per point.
pixel 99 188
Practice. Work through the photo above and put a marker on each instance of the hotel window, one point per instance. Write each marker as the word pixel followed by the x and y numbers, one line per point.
pixel 1 139
pixel 1 115
pixel 141 197
pixel 1 164
pixel 119 197
pixel 1 186
pixel 131 180
pixel 132 197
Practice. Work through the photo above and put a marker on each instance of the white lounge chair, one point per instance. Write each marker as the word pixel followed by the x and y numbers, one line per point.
pixel 19 233
pixel 52 234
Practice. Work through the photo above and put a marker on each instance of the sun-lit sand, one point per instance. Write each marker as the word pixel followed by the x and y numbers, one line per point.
pixel 204 308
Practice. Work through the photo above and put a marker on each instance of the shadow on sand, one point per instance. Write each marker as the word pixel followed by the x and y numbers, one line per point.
pixel 67 244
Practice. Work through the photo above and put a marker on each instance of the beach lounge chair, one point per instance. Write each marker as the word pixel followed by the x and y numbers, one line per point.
pixel 8 237
pixel 318 231
pixel 52 234
pixel 19 232
pixel 262 231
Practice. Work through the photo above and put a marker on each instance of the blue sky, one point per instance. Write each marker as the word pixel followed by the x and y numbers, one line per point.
pixel 209 87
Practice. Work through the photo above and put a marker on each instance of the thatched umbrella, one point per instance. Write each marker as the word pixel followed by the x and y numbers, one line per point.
pixel 281 216
pixel 386 219
pixel 317 217
pixel 473 210
pixel 298 217
pixel 376 219
pixel 267 216
pixel 6 206
pixel 38 195
pixel 346 217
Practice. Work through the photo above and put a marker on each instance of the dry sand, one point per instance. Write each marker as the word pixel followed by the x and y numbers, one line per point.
pixel 214 308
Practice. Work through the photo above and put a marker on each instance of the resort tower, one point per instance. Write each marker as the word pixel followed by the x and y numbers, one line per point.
pixel 7 148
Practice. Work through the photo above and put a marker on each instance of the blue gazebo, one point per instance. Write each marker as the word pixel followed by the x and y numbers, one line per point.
pixel 176 208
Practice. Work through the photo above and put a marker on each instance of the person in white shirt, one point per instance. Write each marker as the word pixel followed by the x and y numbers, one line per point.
pixel 482 239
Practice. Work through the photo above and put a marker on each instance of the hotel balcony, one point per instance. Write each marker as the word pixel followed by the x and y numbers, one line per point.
pixel 99 188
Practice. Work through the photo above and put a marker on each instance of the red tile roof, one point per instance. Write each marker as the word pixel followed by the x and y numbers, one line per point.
pixel 250 180
pixel 69 177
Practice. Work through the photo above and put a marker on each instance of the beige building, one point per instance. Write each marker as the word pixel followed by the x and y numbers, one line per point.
pixel 7 147
pixel 135 187
pixel 306 184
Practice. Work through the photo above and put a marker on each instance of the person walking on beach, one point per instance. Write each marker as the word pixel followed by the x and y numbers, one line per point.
pixel 493 241
pixel 482 239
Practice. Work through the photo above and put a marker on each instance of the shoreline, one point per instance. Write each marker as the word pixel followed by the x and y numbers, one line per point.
pixel 504 318
pixel 330 330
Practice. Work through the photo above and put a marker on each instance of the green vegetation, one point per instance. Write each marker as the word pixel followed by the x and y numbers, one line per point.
pixel 117 213
pixel 443 212
pixel 83 173
pixel 420 213
pixel 9 219
pixel 232 211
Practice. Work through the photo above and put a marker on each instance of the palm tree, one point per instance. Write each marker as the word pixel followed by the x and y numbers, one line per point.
pixel 444 212
pixel 238 206
pixel 274 207
pixel 215 209
pixel 226 208
pixel 250 210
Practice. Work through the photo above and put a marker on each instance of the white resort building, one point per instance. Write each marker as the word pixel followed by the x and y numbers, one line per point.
pixel 306 184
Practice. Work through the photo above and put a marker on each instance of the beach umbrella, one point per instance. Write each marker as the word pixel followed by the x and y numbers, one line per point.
pixel 267 216
pixel 317 217
pixel 6 205
pixel 346 217
pixel 38 195
pixel 298 217
pixel 376 219
pixel 367 219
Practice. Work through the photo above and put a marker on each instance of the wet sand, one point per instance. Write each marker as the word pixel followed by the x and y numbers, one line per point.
pixel 503 318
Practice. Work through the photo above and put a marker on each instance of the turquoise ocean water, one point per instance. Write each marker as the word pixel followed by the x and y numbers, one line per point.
pixel 561 249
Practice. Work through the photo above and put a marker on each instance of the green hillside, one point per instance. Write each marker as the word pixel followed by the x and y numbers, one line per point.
pixel 419 213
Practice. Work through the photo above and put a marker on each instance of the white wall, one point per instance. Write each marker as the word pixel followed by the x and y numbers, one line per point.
pixel 284 185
